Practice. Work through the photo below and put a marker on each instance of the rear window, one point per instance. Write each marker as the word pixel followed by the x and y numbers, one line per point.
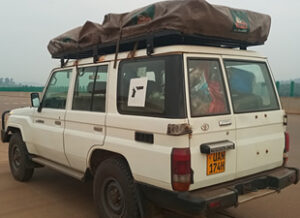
pixel 251 86
pixel 206 86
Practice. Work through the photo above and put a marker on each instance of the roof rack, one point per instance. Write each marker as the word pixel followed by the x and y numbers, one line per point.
pixel 150 41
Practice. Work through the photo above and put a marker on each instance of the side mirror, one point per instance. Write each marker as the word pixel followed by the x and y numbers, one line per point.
pixel 35 99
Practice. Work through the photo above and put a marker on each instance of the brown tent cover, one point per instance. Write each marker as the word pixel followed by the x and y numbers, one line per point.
pixel 187 16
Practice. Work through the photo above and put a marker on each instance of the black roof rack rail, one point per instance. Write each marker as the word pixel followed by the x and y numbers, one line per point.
pixel 152 40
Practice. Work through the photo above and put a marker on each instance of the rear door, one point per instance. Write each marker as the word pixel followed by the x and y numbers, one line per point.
pixel 211 119
pixel 258 117
pixel 85 119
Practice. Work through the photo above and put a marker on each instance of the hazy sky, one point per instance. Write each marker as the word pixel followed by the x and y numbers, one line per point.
pixel 28 25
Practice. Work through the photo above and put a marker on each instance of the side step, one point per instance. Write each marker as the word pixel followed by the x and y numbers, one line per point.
pixel 63 169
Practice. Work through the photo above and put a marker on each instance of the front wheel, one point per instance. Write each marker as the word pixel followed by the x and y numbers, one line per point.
pixel 19 161
pixel 115 192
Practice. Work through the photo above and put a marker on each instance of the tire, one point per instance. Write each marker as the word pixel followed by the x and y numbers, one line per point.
pixel 115 192
pixel 19 161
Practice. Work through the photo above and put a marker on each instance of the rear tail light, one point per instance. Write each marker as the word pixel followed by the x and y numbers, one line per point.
pixel 287 142
pixel 181 169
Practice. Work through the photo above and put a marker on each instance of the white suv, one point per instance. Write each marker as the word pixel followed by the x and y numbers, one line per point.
pixel 188 128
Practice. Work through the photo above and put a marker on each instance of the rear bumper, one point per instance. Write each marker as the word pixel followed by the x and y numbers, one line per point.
pixel 224 195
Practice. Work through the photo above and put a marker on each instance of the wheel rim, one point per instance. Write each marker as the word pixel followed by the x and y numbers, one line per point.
pixel 113 197
pixel 16 157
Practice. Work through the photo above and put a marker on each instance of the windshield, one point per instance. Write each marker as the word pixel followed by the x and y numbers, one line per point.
pixel 251 86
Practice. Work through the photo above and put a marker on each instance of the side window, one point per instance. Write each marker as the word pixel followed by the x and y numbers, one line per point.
pixel 90 89
pixel 57 90
pixel 152 86
pixel 207 93
pixel 141 87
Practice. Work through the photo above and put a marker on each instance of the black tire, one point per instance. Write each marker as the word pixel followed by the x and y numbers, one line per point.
pixel 19 162
pixel 115 192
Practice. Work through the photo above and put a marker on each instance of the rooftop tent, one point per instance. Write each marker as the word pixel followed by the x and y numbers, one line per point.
pixel 177 22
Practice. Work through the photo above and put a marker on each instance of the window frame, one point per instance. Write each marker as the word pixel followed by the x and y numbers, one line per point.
pixel 183 110
pixel 92 94
pixel 269 76
pixel 219 60
pixel 70 69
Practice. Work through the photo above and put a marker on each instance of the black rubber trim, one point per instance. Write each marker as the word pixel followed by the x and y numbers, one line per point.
pixel 4 136
pixel 3 118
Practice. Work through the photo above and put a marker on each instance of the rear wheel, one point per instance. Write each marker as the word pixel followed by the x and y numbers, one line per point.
pixel 19 161
pixel 115 192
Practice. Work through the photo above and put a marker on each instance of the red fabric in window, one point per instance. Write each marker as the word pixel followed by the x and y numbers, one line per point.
pixel 217 104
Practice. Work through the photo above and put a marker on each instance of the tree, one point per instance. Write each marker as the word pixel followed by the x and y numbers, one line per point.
pixel 5 82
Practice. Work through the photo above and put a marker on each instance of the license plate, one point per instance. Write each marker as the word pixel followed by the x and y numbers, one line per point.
pixel 215 163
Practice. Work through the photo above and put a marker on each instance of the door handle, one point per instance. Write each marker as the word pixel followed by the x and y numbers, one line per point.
pixel 57 122
pixel 225 123
pixel 214 147
pixel 40 121
pixel 98 129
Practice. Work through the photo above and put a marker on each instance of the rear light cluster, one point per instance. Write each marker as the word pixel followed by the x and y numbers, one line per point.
pixel 181 169
pixel 286 147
